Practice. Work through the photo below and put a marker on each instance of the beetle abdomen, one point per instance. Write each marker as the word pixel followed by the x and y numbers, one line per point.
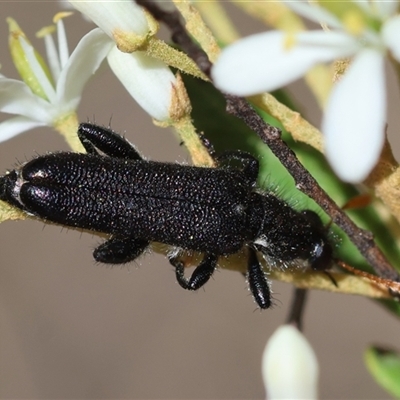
pixel 203 209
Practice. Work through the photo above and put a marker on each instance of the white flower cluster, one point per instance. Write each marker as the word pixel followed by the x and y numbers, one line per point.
pixel 52 92
pixel 355 116
pixel 57 91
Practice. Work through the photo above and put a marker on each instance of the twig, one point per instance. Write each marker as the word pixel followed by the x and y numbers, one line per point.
pixel 172 19
pixel 307 184
pixel 272 137
pixel 297 308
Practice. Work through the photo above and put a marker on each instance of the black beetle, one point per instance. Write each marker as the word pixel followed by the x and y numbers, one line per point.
pixel 216 211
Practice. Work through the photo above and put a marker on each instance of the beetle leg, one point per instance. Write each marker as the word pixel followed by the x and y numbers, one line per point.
pixel 258 283
pixel 94 138
pixel 119 250
pixel 201 274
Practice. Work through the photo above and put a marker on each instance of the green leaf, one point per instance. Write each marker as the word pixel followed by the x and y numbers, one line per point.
pixel 384 366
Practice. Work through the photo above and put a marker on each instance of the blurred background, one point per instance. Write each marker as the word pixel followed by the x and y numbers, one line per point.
pixel 72 329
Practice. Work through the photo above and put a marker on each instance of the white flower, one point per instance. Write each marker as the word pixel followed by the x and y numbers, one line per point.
pixel 122 20
pixel 289 366
pixel 52 92
pixel 112 15
pixel 148 80
pixel 355 116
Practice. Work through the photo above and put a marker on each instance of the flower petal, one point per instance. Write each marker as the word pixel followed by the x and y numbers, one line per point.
pixel 354 121
pixel 29 63
pixel 148 81
pixel 14 126
pixel 264 62
pixel 124 15
pixel 62 42
pixel 17 98
pixel 52 56
pixel 289 366
pixel 37 71
pixel 387 8
pixel 86 58
pixel 314 12
pixel 377 8
pixel 390 35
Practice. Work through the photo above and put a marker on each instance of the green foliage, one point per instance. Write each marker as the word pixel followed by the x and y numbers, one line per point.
pixel 384 366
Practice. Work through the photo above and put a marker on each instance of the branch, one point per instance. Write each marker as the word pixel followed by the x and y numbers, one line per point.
pixel 297 308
